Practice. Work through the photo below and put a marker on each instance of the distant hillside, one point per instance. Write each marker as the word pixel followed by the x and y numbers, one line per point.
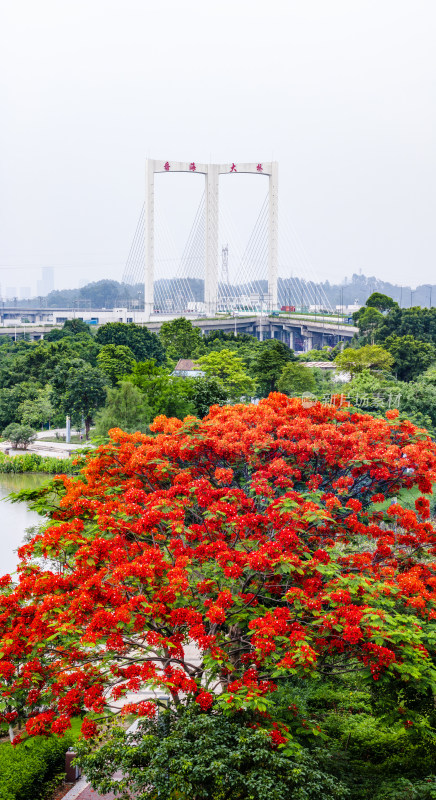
pixel 292 291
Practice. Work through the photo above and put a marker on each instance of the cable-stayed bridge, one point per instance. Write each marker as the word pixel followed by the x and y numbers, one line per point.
pixel 222 282
pixel 215 271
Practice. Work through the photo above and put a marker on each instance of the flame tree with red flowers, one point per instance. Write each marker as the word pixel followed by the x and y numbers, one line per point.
pixel 214 560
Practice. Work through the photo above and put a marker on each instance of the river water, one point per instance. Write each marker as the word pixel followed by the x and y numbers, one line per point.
pixel 15 518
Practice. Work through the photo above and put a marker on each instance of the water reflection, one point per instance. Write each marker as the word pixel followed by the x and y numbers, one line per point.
pixel 15 518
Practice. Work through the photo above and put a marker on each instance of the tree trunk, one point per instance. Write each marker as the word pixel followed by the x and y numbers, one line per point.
pixel 87 427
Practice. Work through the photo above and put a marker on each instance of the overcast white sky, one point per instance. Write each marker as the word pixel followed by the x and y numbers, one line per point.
pixel 342 93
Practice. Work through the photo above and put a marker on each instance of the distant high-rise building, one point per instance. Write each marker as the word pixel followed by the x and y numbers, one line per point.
pixel 25 292
pixel 46 284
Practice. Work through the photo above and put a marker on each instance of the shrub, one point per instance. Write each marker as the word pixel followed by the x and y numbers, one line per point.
pixel 27 769
pixel 19 435
pixel 403 789
pixel 207 758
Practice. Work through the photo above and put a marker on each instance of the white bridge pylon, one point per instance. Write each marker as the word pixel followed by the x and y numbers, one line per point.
pixel 212 173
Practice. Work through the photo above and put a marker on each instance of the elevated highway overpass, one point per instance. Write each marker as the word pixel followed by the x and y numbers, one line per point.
pixel 300 332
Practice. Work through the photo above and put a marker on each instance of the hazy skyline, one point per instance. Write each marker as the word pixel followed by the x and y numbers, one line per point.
pixel 342 94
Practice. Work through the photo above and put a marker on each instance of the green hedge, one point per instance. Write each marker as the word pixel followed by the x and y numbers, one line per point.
pixel 28 770
pixel 32 462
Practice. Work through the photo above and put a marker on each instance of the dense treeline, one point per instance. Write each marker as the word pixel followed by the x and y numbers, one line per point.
pixel 393 360
pixel 122 376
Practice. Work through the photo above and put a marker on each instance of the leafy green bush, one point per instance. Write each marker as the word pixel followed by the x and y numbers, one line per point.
pixel 403 789
pixel 27 770
pixel 207 757
pixel 367 747
pixel 32 462
pixel 19 435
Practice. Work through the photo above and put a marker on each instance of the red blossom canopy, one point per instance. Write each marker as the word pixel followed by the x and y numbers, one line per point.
pixel 254 535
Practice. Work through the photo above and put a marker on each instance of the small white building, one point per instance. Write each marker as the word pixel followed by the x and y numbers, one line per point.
pixel 186 368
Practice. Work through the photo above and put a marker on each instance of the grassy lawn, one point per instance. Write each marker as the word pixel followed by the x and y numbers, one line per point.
pixel 406 498
pixel 72 733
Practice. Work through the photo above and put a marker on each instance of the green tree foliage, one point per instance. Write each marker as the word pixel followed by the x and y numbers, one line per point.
pixel 268 365
pixel 211 340
pixel 417 322
pixel 204 757
pixel 326 354
pixel 296 379
pixel 76 327
pixel 71 327
pixel 39 361
pixel 430 375
pixel 377 302
pixel 164 393
pixel 325 386
pixel 11 399
pixel 142 343
pixel 55 335
pixel 371 357
pixel 373 756
pixel 60 377
pixel 411 356
pixel 229 369
pixel 369 322
pixel 247 347
pixel 126 408
pixel 180 338
pixel 372 391
pixel 416 400
pixel 381 301
pixel 418 403
pixel 38 410
pixel 115 360
pixel 207 392
pixel 84 393
pixel 20 436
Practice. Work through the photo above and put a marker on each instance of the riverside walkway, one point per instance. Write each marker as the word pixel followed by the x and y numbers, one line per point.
pixel 56 449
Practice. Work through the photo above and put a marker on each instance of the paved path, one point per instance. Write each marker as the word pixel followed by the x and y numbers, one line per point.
pixel 55 449
pixel 82 791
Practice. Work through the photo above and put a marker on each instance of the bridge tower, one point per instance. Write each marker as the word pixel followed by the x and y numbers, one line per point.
pixel 211 173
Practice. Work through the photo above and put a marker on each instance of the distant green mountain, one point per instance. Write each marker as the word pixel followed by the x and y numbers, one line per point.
pixel 292 291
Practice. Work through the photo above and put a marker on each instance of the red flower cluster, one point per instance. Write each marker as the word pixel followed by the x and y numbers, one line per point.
pixel 204 700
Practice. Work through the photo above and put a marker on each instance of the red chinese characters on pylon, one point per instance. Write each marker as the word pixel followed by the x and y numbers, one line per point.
pixel 166 166
pixel 233 168
pixel 192 166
